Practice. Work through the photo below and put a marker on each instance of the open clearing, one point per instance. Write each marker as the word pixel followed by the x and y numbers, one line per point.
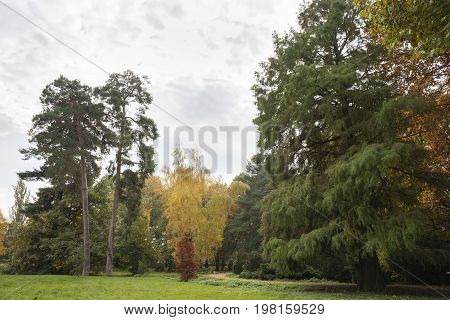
pixel 167 286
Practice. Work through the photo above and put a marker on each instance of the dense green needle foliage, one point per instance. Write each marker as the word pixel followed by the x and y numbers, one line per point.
pixel 67 105
pixel 242 240
pixel 333 135
pixel 68 135
pixel 50 242
pixel 127 98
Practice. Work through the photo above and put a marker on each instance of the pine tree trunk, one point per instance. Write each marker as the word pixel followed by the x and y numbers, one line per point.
pixel 112 229
pixel 85 201
pixel 85 205
pixel 370 277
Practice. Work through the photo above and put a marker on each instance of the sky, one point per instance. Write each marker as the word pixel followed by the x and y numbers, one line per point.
pixel 200 56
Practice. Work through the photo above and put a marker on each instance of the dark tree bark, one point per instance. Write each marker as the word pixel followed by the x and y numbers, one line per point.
pixel 217 261
pixel 112 229
pixel 370 276
pixel 85 205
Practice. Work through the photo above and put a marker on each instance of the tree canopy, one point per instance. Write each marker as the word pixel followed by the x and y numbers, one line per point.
pixel 422 25
pixel 195 204
pixel 332 131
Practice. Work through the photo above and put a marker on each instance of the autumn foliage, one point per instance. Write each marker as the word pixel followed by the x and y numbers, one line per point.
pixel 3 227
pixel 185 258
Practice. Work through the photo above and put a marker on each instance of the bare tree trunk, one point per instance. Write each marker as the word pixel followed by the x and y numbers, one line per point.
pixel 217 261
pixel 112 229
pixel 85 204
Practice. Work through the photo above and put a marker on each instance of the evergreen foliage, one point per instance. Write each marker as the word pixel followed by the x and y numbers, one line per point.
pixel 68 136
pixel 127 99
pixel 332 133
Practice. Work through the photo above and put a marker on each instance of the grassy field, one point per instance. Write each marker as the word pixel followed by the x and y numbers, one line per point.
pixel 160 286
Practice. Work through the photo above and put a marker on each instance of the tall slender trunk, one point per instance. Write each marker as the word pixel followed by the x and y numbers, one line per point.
pixel 86 240
pixel 217 261
pixel 85 204
pixel 112 229
pixel 370 276
pixel 222 266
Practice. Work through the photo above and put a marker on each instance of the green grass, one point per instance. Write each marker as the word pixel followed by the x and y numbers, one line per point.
pixel 158 286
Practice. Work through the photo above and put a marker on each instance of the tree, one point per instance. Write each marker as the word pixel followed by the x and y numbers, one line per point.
pixel 332 131
pixel 423 25
pixel 128 99
pixel 151 206
pixel 242 240
pixel 68 135
pixel 185 259
pixel 49 240
pixel 195 204
pixel 135 246
pixel 3 227
pixel 21 199
pixel 416 35
pixel 141 253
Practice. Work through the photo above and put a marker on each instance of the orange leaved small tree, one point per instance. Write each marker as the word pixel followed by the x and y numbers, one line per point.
pixel 185 258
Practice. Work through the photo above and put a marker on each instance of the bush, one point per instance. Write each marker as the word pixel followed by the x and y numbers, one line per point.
pixel 249 274
pixel 264 273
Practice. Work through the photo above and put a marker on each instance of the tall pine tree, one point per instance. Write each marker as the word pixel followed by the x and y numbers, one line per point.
pixel 127 98
pixel 67 136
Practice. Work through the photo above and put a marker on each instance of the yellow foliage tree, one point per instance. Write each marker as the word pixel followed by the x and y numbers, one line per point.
pixel 3 227
pixel 195 203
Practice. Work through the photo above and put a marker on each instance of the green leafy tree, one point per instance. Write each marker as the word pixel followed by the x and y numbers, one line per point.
pixel 21 199
pixel 67 136
pixel 152 206
pixel 49 240
pixel 128 99
pixel 423 25
pixel 3 228
pixel 347 179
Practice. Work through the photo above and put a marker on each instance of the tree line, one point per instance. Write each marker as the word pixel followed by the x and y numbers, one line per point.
pixel 350 184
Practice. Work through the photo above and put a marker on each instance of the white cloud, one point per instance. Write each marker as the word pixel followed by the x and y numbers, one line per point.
pixel 200 56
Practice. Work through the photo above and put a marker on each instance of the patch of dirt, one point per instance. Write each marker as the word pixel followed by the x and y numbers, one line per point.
pixel 218 275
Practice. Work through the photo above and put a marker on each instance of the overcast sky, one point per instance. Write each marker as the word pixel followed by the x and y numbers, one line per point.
pixel 200 56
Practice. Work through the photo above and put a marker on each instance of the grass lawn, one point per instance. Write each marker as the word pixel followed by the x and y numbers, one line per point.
pixel 160 286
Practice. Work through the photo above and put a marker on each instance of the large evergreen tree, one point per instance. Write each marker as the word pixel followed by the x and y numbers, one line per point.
pixel 67 136
pixel 333 133
pixel 242 239
pixel 49 240
pixel 128 98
